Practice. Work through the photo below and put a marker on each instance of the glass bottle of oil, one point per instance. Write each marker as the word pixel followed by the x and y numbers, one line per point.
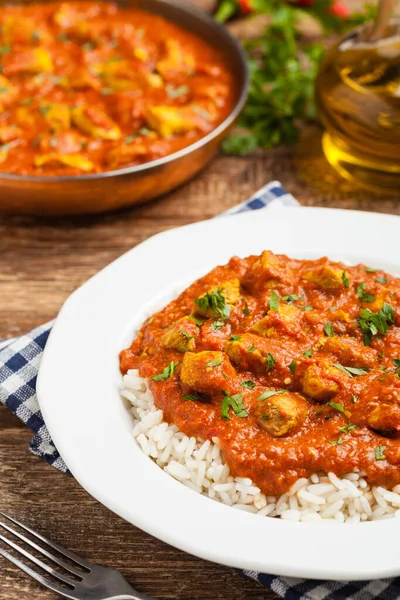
pixel 358 100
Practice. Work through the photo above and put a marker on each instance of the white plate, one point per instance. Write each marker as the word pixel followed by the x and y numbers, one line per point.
pixel 78 395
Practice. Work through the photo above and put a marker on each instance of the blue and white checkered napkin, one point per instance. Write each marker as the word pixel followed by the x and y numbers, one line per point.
pixel 19 365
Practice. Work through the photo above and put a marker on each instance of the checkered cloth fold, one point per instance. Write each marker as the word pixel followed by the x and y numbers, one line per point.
pixel 19 364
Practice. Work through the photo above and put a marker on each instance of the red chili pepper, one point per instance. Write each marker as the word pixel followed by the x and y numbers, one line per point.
pixel 245 6
pixel 340 10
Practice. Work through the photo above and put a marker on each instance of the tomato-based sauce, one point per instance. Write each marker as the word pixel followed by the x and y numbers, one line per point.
pixel 293 364
pixel 87 87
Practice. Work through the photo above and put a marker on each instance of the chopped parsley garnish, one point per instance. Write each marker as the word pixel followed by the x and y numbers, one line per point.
pixel 62 37
pixel 252 348
pixel 246 310
pixel 381 354
pixel 307 353
pixel 249 384
pixel 44 109
pixel 354 398
pixel 202 112
pixel 370 270
pixel 379 453
pixel 198 322
pixel 293 366
pixel 88 46
pixel 214 363
pixel 333 308
pixel 35 36
pixel 339 407
pixel 235 338
pixel 351 371
pixel 381 280
pixel 270 361
pixel 396 362
pixel 26 101
pixel 373 323
pixel 176 92
pixel 363 295
pixel 215 301
pixel 328 329
pixel 6 49
pixel 234 402
pixel 337 442
pixel 345 279
pixel 347 428
pixel 269 393
pixel 291 298
pixel 196 397
pixel 53 142
pixel 306 308
pixel 217 324
pixel 106 91
pixel 273 300
pixel 186 335
pixel 166 373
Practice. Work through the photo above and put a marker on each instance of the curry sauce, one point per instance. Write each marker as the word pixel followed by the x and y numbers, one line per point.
pixel 293 364
pixel 87 87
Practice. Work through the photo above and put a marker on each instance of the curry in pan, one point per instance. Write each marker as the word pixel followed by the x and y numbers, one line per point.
pixel 293 364
pixel 87 87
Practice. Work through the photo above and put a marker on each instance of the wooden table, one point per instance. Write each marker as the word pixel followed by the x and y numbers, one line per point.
pixel 41 263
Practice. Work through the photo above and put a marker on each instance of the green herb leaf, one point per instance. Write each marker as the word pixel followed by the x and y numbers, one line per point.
pixel 234 402
pixel 345 279
pixel 337 442
pixel 44 109
pixel 176 92
pixel 186 335
pixel 214 363
pixel 196 397
pixel 293 366
pixel 6 49
pixel 328 329
pixel 166 373
pixel 373 323
pixel 235 338
pixel 214 300
pixel 347 428
pixel 270 361
pixel 381 280
pixel 307 353
pixel 354 398
pixel 291 298
pixel 336 406
pixel 396 362
pixel 198 322
pixel 106 92
pixel 26 101
pixel 273 300
pixel 370 270
pixel 363 295
pixel 252 348
pixel 248 384
pixel 306 308
pixel 246 310
pixel 269 393
pixel 217 324
pixel 351 371
pixel 379 453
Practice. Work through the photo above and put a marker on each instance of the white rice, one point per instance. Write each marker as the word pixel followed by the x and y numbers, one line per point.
pixel 199 465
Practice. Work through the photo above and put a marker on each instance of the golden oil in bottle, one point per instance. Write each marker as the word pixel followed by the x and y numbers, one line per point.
pixel 358 100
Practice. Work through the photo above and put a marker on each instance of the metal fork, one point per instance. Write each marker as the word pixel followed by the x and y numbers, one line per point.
pixel 78 580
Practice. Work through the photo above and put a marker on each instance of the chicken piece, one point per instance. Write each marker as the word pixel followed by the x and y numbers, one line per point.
pixel 71 160
pixel 208 372
pixel 282 413
pixel 16 29
pixel 217 302
pixel 169 120
pixel 320 381
pixel 326 277
pixel 284 321
pixel 9 133
pixel 253 353
pixel 385 418
pixel 181 335
pixel 57 115
pixel 8 92
pixel 35 60
pixel 126 154
pixel 266 271
pixel 95 122
pixel 66 142
pixel 348 351
pixel 175 61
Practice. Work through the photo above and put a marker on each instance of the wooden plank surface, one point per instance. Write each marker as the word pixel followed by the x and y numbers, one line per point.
pixel 41 263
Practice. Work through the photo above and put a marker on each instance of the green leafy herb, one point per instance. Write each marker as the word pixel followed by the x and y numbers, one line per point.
pixel 306 308
pixel 264 417
pixel 291 298
pixel 381 354
pixel 269 393
pixel 347 428
pixel 6 49
pixel 363 295
pixel 176 92
pixel 351 371
pixel 307 353
pixel 370 270
pixel 345 279
pixel 35 36
pixel 270 361
pixel 339 407
pixel 166 373
pixel 87 46
pixel 373 323
pixel 333 308
pixel 202 112
pixel 246 310
pixel 273 300
pixel 214 363
pixel 106 92
pixel 328 329
pixel 293 366
pixel 26 101
pixel 381 280
pixel 234 402
pixel 186 335
pixel 44 109
pixel 217 324
pixel 252 348
pixel 396 362
pixel 337 442
pixel 354 398
pixel 198 322
pixel 215 301
pixel 235 338
pixel 248 384
pixel 63 37
pixel 196 397
pixel 53 142
pixel 379 453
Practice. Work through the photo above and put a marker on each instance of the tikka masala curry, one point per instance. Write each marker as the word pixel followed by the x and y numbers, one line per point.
pixel 87 87
pixel 293 364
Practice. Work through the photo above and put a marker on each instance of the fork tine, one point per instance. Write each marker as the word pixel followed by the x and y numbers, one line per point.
pixel 42 580
pixel 55 559
pixel 74 557
pixel 38 562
